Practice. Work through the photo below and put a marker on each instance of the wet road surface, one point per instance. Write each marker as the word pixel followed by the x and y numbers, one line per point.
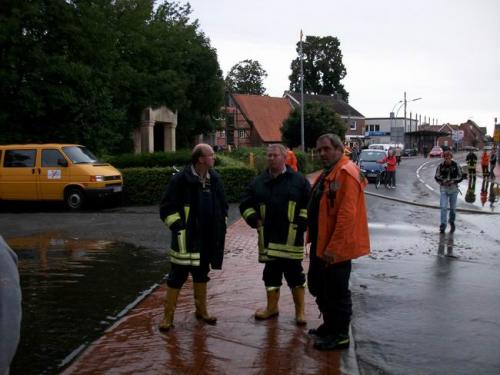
pixel 425 302
pixel 237 344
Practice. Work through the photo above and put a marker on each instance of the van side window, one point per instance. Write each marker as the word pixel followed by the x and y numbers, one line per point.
pixel 19 158
pixel 50 158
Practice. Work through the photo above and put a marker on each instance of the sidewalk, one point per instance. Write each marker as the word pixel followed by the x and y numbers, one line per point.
pixel 237 344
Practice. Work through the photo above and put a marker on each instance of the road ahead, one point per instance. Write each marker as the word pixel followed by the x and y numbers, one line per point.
pixel 427 303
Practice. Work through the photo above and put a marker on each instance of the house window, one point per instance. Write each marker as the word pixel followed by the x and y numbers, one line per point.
pixel 353 125
pixel 374 127
pixel 242 133
pixel 366 128
pixel 221 133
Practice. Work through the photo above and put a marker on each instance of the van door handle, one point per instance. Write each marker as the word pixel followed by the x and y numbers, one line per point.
pixel 33 171
pixel 39 170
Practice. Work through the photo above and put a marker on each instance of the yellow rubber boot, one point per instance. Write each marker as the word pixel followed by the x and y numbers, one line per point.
pixel 200 301
pixel 170 304
pixel 298 298
pixel 273 296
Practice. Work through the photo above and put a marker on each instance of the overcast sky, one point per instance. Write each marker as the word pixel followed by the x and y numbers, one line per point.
pixel 445 51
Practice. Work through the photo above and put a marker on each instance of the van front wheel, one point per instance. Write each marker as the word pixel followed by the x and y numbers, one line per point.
pixel 74 199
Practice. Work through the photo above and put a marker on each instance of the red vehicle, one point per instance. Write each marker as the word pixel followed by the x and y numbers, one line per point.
pixel 436 152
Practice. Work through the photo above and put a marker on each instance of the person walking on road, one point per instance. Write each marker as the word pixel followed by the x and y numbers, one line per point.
pixel 471 160
pixel 275 204
pixel 397 153
pixel 485 163
pixel 194 208
pixel 391 162
pixel 448 176
pixel 493 162
pixel 338 232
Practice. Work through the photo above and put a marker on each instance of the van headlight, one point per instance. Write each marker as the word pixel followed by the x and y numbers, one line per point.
pixel 97 178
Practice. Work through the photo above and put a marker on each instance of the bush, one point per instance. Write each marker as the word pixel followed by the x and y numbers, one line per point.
pixel 158 159
pixel 163 159
pixel 144 186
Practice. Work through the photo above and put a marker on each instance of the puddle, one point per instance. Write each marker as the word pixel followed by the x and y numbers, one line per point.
pixel 74 289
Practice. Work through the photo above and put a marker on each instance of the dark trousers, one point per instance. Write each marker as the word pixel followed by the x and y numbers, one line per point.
pixel 485 170
pixel 290 268
pixel 330 285
pixel 179 274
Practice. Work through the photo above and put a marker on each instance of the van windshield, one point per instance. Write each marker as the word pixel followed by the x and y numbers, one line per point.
pixel 79 155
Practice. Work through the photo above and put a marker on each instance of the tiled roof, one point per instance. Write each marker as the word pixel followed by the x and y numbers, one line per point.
pixel 341 107
pixel 266 113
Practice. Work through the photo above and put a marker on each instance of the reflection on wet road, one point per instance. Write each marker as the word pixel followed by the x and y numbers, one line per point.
pixel 73 289
pixel 427 302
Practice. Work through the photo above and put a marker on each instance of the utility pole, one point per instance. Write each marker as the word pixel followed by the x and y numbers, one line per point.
pixel 405 109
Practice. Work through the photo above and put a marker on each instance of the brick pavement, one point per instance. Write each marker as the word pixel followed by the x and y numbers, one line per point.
pixel 238 344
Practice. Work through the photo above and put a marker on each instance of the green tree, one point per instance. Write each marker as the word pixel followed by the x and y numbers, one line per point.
pixel 323 67
pixel 319 118
pixel 246 77
pixel 83 71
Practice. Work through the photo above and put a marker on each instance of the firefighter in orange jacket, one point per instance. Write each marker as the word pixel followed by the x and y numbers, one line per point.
pixel 338 232
pixel 291 160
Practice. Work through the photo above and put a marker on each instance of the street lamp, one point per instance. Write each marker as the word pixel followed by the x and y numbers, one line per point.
pixel 401 104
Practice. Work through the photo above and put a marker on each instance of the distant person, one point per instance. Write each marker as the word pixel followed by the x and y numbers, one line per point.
pixel 338 232
pixel 448 176
pixel 425 150
pixel 10 306
pixel 485 163
pixel 397 153
pixel 493 162
pixel 471 160
pixel 391 162
pixel 194 208
pixel 355 153
pixel 275 203
pixel 291 159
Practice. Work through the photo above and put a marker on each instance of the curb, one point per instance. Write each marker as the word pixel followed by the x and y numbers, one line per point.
pixel 458 209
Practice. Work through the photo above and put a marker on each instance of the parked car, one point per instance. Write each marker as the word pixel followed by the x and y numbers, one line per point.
pixel 470 148
pixel 55 172
pixel 368 163
pixel 409 152
pixel 436 152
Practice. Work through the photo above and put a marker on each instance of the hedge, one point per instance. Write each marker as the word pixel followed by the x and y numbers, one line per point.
pixel 144 186
pixel 163 159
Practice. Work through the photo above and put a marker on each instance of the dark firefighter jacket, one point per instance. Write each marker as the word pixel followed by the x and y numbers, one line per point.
pixel 448 173
pixel 195 237
pixel 280 205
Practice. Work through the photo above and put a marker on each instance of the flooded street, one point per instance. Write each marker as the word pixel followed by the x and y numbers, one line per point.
pixel 424 302
pixel 73 290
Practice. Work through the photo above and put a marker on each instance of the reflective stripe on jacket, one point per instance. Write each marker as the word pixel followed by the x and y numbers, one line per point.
pixel 280 205
pixel 342 220
pixel 180 211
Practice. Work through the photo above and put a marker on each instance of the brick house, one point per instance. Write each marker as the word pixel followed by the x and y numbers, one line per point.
pixel 355 121
pixel 473 135
pixel 252 120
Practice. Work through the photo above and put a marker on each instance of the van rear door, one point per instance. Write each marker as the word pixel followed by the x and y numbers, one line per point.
pixel 54 174
pixel 19 175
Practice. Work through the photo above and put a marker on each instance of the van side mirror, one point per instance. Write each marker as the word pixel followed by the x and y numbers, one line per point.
pixel 62 162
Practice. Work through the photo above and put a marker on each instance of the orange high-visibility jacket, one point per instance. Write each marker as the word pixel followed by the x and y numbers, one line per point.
pixel 343 222
pixel 291 160
pixel 485 159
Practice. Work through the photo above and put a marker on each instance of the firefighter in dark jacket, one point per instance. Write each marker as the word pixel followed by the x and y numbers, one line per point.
pixel 275 203
pixel 194 207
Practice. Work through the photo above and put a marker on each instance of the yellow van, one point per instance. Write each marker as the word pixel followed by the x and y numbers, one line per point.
pixel 59 172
